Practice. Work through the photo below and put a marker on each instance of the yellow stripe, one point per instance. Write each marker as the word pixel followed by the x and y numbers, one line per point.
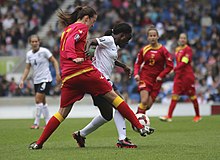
pixel 185 60
pixel 175 97
pixel 180 48
pixel 146 49
pixel 193 97
pixel 58 116
pixel 141 106
pixel 117 101
pixel 76 74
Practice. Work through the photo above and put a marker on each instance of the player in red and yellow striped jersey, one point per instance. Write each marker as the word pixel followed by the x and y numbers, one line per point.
pixel 79 76
pixel 153 63
pixel 184 80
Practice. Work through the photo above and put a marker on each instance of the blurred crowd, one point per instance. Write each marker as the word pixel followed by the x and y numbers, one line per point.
pixel 199 19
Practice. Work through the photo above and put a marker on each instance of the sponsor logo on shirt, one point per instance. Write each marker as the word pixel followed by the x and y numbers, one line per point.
pixel 80 31
pixel 101 77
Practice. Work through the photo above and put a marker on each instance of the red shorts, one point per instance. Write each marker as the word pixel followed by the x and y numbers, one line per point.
pixel 184 86
pixel 152 88
pixel 92 82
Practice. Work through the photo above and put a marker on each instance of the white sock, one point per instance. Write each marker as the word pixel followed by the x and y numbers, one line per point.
pixel 38 113
pixel 46 113
pixel 120 125
pixel 93 125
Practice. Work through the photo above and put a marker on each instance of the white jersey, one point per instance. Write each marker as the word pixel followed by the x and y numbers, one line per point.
pixel 40 64
pixel 106 54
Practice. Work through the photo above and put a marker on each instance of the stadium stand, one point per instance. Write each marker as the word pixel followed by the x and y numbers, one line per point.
pixel 199 19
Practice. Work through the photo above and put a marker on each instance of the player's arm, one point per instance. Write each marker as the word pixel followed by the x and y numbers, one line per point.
pixel 25 74
pixel 169 65
pixel 184 60
pixel 53 60
pixel 138 64
pixel 125 67
pixel 89 44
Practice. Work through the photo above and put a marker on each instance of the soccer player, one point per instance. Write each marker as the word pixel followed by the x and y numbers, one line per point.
pixel 105 58
pixel 79 76
pixel 184 80
pixel 153 63
pixel 38 58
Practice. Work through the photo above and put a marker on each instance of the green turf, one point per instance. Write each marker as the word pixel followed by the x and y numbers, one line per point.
pixel 181 139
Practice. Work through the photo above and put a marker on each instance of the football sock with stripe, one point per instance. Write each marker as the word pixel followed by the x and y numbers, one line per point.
pixel 171 108
pixel 51 126
pixel 126 112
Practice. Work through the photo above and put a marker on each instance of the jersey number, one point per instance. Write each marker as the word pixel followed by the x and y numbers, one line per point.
pixel 63 38
pixel 152 60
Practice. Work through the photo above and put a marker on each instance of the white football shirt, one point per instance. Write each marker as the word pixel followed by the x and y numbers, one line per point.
pixel 40 63
pixel 105 55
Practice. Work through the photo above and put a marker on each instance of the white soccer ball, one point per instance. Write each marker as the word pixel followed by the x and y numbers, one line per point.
pixel 143 119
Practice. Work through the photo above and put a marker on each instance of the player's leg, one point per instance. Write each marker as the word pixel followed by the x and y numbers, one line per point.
pixel 144 102
pixel 45 110
pixel 51 126
pixel 40 101
pixel 106 115
pixel 172 106
pixel 191 91
pixel 37 116
pixel 123 141
pixel 196 108
pixel 177 90
pixel 68 97
pixel 97 85
pixel 126 112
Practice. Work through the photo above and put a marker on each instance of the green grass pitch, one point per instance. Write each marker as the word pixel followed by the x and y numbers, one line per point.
pixel 179 140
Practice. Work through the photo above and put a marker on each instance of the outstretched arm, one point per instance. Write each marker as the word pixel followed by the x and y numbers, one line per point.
pixel 56 66
pixel 125 67
pixel 89 43
pixel 25 74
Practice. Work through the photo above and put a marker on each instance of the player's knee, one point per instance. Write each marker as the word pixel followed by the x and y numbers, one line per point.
pixel 175 97
pixel 193 97
pixel 107 117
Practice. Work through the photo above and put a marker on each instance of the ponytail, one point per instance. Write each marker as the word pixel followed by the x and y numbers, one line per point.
pixel 66 19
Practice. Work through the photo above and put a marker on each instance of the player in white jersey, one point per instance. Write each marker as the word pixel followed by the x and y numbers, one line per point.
pixel 38 58
pixel 105 58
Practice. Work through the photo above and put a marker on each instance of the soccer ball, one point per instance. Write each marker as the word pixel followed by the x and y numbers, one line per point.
pixel 143 119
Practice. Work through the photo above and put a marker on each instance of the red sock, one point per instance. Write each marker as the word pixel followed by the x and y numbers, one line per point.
pixel 196 106
pixel 171 108
pixel 51 126
pixel 126 112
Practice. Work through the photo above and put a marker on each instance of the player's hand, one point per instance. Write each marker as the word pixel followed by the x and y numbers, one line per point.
pixel 78 60
pixel 128 71
pixel 58 79
pixel 137 78
pixel 159 79
pixel 21 85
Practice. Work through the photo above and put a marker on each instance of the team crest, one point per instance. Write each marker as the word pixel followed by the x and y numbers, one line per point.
pixel 77 37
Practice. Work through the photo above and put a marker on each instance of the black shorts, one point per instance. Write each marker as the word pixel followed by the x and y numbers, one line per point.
pixel 105 107
pixel 43 87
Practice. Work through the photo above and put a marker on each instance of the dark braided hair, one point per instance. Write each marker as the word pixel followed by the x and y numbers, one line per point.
pixel 119 28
